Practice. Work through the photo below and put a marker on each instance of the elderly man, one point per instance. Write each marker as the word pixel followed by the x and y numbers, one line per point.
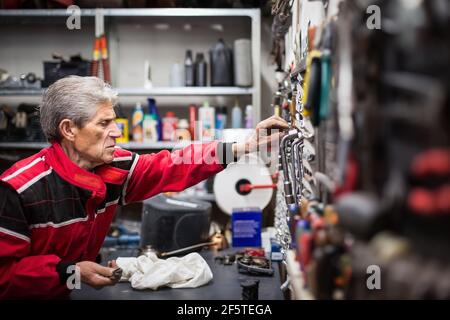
pixel 57 205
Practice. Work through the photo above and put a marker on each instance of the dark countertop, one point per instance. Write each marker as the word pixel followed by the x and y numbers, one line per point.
pixel 225 284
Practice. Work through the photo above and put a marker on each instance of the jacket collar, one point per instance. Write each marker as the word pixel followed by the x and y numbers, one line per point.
pixel 71 172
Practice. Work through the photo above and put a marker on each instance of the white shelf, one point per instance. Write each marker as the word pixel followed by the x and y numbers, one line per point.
pixel 164 12
pixel 23 145
pixel 156 91
pixel 130 145
pixel 184 91
pixel 155 145
pixel 21 92
pixel 204 197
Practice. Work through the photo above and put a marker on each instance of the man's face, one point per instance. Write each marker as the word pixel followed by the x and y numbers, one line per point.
pixel 95 141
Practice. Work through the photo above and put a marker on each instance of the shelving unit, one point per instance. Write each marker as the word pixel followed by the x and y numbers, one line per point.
pixel 156 91
pixel 114 17
pixel 129 145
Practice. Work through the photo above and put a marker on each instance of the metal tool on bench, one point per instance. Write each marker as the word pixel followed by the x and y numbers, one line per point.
pixel 217 241
pixel 255 265
pixel 116 274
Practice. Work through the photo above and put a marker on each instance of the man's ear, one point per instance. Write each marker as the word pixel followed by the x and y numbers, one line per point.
pixel 68 129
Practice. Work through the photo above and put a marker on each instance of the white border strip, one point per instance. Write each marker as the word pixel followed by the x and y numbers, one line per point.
pixel 127 158
pixel 19 171
pixel 58 225
pixel 107 205
pixel 15 234
pixel 34 180
pixel 124 192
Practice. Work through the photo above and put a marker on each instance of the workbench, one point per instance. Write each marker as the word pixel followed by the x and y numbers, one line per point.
pixel 225 284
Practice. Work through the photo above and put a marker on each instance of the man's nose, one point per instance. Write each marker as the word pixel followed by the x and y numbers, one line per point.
pixel 115 131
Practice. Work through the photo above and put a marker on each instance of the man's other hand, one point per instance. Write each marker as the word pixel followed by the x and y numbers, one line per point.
pixel 95 275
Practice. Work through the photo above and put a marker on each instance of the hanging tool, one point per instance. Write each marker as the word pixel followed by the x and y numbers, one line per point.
pixel 277 103
pixel 297 162
pixel 293 134
pixel 325 80
pixel 312 95
pixel 100 48
pixel 345 98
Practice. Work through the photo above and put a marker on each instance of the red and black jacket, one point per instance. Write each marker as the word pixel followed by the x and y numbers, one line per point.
pixel 53 212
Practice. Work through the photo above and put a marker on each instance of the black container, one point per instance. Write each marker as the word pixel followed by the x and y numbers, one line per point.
pixel 201 68
pixel 55 70
pixel 169 224
pixel 221 60
pixel 188 69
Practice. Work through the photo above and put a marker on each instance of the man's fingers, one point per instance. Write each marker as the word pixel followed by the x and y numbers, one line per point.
pixel 273 122
pixel 104 271
pixel 112 264
pixel 98 280
pixel 278 121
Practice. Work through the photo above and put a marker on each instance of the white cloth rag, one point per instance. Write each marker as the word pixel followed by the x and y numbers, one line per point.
pixel 150 272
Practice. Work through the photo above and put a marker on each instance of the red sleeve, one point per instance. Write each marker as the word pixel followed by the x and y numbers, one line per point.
pixel 22 275
pixel 152 174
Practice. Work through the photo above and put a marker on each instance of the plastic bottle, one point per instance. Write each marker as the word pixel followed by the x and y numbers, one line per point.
pixel 137 123
pixel 150 132
pixel 200 71
pixel 122 123
pixel 206 116
pixel 188 69
pixel 152 109
pixel 193 125
pixel 177 75
pixel 182 132
pixel 236 116
pixel 221 121
pixel 169 126
pixel 249 116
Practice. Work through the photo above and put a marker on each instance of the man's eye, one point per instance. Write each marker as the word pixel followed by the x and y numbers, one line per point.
pixel 104 123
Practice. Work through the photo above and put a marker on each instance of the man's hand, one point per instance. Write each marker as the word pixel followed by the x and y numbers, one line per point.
pixel 95 275
pixel 268 133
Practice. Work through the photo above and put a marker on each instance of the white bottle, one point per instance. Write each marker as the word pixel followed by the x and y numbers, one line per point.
pixel 249 116
pixel 236 116
pixel 150 134
pixel 177 75
pixel 206 117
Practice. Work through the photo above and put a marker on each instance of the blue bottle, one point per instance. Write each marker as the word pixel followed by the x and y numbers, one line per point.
pixel 153 110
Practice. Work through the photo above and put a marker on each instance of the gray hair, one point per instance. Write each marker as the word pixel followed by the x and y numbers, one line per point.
pixel 75 98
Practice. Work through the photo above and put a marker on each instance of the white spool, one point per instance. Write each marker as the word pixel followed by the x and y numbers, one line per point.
pixel 249 168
